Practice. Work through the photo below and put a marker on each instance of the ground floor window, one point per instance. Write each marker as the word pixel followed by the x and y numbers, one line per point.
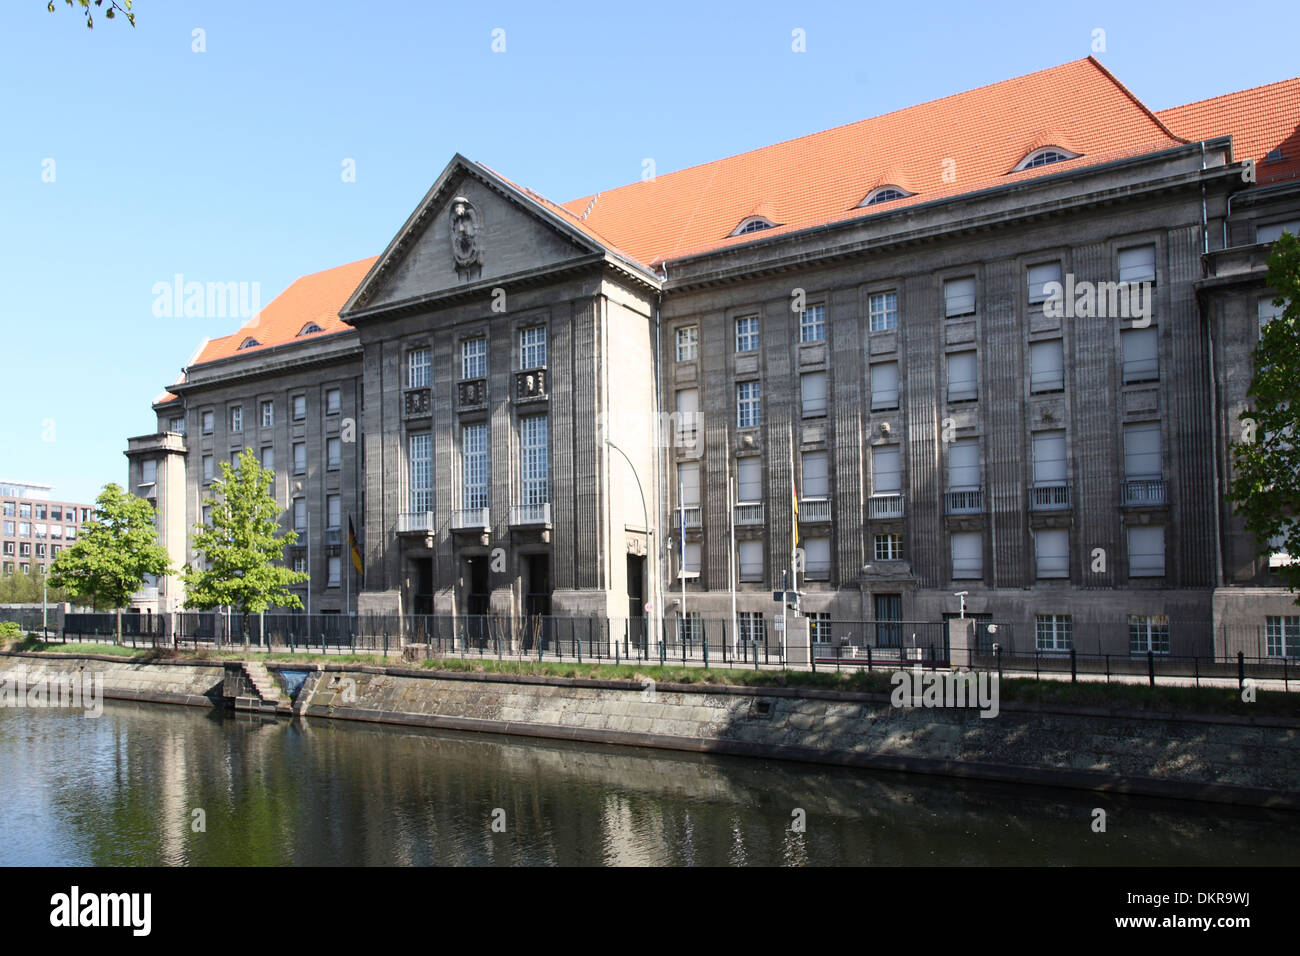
pixel 819 627
pixel 688 627
pixel 1148 632
pixel 1283 636
pixel 751 626
pixel 1053 632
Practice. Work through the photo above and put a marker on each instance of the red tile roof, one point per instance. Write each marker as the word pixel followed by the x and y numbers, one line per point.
pixel 958 144
pixel 1260 120
pixel 312 298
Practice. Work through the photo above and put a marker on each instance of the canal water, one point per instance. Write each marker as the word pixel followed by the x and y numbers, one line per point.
pixel 153 784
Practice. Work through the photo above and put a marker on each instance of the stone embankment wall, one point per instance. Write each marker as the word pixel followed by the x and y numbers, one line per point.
pixel 164 682
pixel 1225 759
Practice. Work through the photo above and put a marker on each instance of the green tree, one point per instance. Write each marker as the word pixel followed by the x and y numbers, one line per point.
pixel 113 554
pixel 113 9
pixel 243 558
pixel 1266 461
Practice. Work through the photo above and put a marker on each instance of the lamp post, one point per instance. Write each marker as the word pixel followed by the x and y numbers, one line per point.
pixel 645 514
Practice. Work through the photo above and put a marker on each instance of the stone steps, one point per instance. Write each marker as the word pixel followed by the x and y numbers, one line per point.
pixel 267 687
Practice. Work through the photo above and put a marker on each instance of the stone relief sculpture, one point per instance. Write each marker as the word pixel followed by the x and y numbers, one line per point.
pixel 464 237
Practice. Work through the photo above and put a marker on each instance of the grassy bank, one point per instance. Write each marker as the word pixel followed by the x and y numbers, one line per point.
pixel 1130 697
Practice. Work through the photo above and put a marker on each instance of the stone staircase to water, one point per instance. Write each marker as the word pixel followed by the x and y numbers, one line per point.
pixel 267 687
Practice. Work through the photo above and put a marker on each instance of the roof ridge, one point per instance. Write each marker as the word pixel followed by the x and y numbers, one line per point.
pixel 1129 93
pixel 1224 96
pixel 868 119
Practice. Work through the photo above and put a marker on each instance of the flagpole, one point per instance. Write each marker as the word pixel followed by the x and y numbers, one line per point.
pixel 731 556
pixel 309 560
pixel 681 528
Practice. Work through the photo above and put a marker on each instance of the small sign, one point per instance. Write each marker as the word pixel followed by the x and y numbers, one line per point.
pixel 778 596
pixel 649 607
pixel 780 624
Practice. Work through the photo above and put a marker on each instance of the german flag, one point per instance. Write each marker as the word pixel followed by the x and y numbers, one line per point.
pixel 352 546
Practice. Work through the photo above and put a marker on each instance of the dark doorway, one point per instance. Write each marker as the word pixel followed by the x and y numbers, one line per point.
pixel 636 622
pixel 422 586
pixel 889 609
pixel 478 601
pixel 537 598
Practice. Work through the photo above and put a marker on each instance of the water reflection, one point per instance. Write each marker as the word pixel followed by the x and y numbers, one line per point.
pixel 124 789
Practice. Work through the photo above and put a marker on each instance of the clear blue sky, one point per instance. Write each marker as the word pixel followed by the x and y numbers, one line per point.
pixel 226 165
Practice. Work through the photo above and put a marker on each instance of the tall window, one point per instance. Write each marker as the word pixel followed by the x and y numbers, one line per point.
pixel 1046 366
pixel 1146 552
pixel 816 483
pixel 333 401
pixel 268 458
pixel 1141 350
pixel 886 478
pixel 812 324
pixel 817 557
pixel 1052 552
pixel 534 460
pixel 747 333
pixel 748 412
pixel 689 627
pixel 532 347
pixel 299 407
pixel 751 560
pixel 688 485
pixel 1039 276
pixel 474 467
pixel 688 416
pixel 967 555
pixel 299 517
pixel 1148 632
pixel 688 343
pixel 964 464
pixel 333 512
pixel 751 627
pixel 417 368
pixel 690 559
pixel 177 425
pixel 335 569
pixel 1282 635
pixel 959 297
pixel 237 418
pixel 963 377
pixel 1053 632
pixel 1142 458
pixel 749 480
pixel 300 458
pixel 819 627
pixel 473 358
pixel 148 474
pixel 207 467
pixel 1138 264
pixel 1049 458
pixel 268 414
pixel 884 386
pixel 333 454
pixel 812 386
pixel 883 311
pixel 420 465
pixel 206 419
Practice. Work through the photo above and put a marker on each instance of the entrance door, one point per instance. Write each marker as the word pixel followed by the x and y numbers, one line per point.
pixel 478 600
pixel 422 586
pixel 889 608
pixel 636 623
pixel 537 598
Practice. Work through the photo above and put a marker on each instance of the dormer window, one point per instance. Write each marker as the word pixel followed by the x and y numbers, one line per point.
pixel 1045 157
pixel 249 343
pixel 753 224
pixel 311 328
pixel 886 193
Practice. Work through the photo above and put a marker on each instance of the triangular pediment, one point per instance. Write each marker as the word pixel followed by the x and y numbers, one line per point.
pixel 472 227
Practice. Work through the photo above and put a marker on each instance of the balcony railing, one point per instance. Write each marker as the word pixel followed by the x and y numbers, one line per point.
pixel 1145 491
pixel 470 519
pixel 688 516
pixel 415 522
pixel 530 514
pixel 815 509
pixel 749 513
pixel 885 506
pixel 967 502
pixel 1045 497
pixel 333 537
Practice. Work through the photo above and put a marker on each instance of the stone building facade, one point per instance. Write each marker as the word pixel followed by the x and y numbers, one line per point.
pixel 1006 361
